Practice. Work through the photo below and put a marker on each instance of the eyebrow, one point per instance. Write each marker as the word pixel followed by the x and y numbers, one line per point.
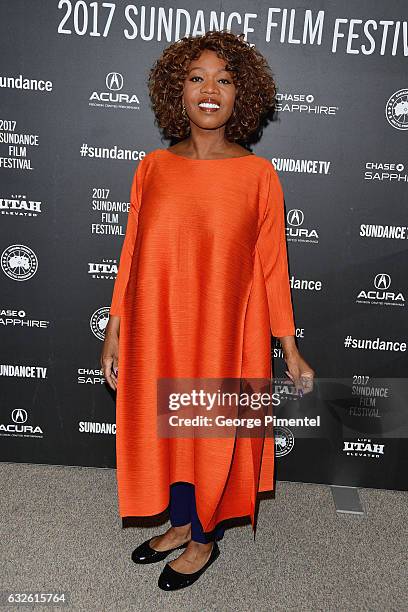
pixel 200 68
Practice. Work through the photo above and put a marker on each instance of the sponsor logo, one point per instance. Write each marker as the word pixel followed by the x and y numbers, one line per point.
pixel 399 232
pixel 284 440
pixel 363 447
pixel 99 321
pixel 20 206
pixel 92 427
pixel 21 82
pixel 114 96
pixel 107 269
pixel 18 427
pixel 380 294
pixel 305 104
pixel 396 109
pixel 304 284
pixel 295 232
pixel 90 376
pixel 19 262
pixel 389 172
pixel 10 317
pixel 301 166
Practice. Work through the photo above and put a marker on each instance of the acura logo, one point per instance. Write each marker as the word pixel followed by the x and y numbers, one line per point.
pixel 19 415
pixel 114 81
pixel 295 217
pixel 382 281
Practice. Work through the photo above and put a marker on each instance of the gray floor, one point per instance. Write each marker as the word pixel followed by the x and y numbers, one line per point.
pixel 60 531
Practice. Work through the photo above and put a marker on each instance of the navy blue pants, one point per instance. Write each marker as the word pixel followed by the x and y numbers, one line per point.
pixel 183 511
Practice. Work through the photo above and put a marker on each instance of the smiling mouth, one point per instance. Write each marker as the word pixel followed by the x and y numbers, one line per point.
pixel 209 107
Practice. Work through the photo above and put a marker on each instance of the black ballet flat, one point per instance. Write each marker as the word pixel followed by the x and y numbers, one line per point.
pixel 144 554
pixel 171 580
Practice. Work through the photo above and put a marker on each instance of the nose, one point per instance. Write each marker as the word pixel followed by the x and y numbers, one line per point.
pixel 209 85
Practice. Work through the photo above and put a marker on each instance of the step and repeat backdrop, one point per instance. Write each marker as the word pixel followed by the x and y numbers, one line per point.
pixel 75 121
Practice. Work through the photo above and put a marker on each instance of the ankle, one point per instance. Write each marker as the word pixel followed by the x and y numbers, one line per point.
pixel 201 546
pixel 183 532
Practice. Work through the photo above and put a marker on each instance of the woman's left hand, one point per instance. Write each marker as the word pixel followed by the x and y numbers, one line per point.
pixel 300 372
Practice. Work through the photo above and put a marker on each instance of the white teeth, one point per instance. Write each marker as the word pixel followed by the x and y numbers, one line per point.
pixel 208 105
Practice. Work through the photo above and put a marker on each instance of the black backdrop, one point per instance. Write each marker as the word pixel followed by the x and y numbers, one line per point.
pixel 73 82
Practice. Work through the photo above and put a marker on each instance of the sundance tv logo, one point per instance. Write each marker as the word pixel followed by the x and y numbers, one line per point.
pixel 113 96
pixel 396 109
pixel 380 294
pixel 302 166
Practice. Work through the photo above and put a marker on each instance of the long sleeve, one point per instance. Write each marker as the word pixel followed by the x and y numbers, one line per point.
pixel 271 247
pixel 126 254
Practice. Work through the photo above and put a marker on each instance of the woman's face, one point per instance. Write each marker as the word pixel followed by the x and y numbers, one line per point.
pixel 208 82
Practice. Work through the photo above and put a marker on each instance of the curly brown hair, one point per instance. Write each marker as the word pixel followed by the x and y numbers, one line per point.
pixel 251 74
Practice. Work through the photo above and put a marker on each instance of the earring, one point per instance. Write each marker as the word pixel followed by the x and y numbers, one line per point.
pixel 184 111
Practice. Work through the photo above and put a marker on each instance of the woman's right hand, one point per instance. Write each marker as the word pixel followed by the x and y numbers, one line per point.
pixel 110 352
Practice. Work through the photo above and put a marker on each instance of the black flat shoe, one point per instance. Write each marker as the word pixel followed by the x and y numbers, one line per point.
pixel 145 554
pixel 171 580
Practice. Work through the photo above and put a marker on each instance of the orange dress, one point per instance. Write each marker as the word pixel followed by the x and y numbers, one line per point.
pixel 201 284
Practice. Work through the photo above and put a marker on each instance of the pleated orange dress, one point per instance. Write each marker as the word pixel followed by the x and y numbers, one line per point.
pixel 201 284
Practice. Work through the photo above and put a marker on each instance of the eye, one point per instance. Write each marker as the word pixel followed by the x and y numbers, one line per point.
pixel 198 77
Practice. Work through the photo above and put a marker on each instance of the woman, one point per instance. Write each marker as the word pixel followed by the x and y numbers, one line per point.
pixel 202 282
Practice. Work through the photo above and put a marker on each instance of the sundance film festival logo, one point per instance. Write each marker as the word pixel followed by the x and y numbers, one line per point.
pixel 99 321
pixel 295 232
pixel 19 262
pixel 21 82
pixel 18 427
pixel 284 440
pixel 363 447
pixel 396 110
pixel 20 205
pixel 114 97
pixel 304 284
pixel 304 104
pixel 380 294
